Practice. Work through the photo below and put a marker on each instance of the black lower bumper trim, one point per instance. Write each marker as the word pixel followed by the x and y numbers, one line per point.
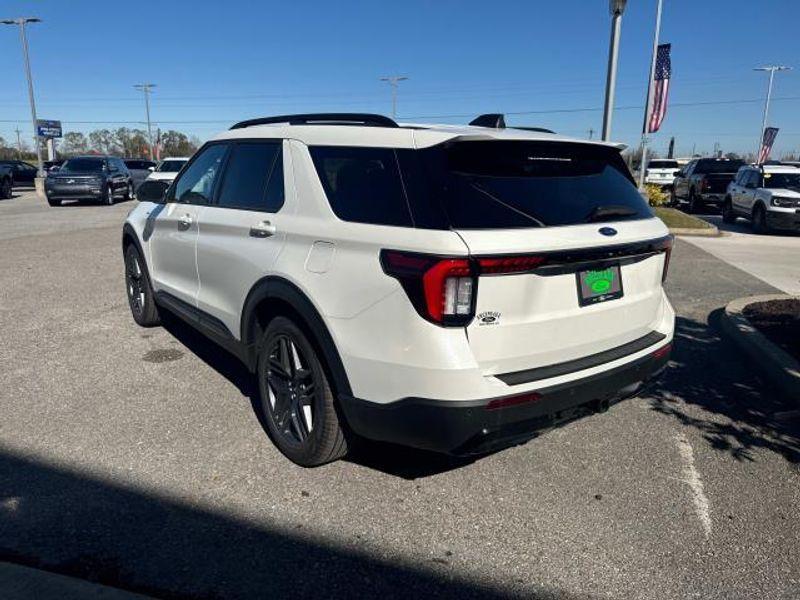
pixel 467 427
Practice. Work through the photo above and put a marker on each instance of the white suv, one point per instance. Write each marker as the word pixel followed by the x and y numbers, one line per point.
pixel 661 171
pixel 768 195
pixel 452 288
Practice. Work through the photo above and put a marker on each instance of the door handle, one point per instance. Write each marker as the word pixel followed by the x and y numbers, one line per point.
pixel 263 229
pixel 184 222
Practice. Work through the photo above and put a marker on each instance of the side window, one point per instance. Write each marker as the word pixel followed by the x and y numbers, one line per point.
pixel 196 184
pixel 253 177
pixel 687 170
pixel 111 165
pixel 363 185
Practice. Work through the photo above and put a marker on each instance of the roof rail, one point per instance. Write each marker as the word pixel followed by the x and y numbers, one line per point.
pixel 364 119
pixel 498 121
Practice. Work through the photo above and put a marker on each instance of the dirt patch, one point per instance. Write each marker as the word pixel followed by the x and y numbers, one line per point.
pixel 779 321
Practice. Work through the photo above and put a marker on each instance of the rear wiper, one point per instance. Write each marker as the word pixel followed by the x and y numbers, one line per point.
pixel 609 212
pixel 481 189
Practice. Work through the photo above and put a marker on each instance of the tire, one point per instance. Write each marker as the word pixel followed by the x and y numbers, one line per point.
pixel 296 401
pixel 5 189
pixel 728 216
pixel 759 220
pixel 108 196
pixel 138 289
pixel 129 191
pixel 673 199
pixel 54 202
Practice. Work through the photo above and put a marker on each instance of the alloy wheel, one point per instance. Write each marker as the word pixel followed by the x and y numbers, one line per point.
pixel 135 283
pixel 292 387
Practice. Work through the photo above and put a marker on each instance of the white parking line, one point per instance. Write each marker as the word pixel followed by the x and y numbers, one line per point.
pixel 692 479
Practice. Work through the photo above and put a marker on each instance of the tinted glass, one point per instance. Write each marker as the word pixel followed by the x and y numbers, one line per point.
pixel 196 184
pixel 363 184
pixel 139 164
pixel 718 166
pixel 250 169
pixel 171 166
pixel 75 165
pixel 497 185
pixel 782 180
pixel 663 164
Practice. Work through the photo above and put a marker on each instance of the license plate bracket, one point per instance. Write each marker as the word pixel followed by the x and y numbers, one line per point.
pixel 597 285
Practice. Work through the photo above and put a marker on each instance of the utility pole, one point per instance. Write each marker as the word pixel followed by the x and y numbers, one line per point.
pixel 616 7
pixel 21 22
pixel 771 69
pixel 146 90
pixel 591 133
pixel 393 80
pixel 19 144
pixel 649 103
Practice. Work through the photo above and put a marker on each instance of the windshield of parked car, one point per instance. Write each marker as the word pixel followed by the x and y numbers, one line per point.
pixel 139 164
pixel 718 166
pixel 663 164
pixel 171 166
pixel 782 180
pixel 92 165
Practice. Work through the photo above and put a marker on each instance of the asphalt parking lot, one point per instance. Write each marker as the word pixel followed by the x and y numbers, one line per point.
pixel 133 457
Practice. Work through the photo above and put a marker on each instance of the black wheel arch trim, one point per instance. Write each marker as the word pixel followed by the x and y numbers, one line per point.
pixel 277 288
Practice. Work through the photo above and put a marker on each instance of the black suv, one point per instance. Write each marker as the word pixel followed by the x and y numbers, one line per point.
pixel 101 178
pixel 24 173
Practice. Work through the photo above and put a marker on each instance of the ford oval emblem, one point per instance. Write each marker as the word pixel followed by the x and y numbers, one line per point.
pixel 609 231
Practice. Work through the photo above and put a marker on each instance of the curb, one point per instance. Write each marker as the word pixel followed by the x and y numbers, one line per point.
pixel 712 231
pixel 781 369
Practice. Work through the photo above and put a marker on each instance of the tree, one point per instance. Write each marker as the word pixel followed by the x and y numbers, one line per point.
pixel 103 141
pixel 73 142
pixel 132 143
pixel 175 143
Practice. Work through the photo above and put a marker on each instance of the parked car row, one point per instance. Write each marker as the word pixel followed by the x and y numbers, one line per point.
pixel 769 196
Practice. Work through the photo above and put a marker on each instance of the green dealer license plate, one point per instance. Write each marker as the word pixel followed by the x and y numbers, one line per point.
pixel 599 285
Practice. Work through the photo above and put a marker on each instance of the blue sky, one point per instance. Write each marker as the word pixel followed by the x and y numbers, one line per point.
pixel 217 62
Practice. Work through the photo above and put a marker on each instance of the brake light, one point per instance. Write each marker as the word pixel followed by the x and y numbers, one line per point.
pixel 508 264
pixel 663 351
pixel 441 289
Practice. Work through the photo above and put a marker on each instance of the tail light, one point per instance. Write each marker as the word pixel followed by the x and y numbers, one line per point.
pixel 443 289
pixel 665 246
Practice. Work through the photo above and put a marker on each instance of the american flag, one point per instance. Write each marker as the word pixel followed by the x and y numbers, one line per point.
pixel 770 133
pixel 660 88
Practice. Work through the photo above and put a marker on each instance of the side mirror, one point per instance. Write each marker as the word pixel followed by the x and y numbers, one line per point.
pixel 151 169
pixel 152 191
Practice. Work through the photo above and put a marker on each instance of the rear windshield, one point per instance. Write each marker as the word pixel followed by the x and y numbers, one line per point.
pixel 480 185
pixel 718 166
pixel 139 164
pixel 83 164
pixel 663 164
pixel 171 166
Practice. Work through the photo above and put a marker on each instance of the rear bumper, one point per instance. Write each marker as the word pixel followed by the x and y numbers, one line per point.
pixel 473 427
pixel 712 197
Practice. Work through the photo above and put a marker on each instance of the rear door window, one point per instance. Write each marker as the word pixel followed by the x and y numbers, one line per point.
pixel 253 177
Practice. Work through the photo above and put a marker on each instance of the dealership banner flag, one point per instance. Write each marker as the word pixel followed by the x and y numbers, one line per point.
pixel 659 88
pixel 770 133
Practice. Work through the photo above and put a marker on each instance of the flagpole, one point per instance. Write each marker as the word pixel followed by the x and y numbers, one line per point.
pixel 649 102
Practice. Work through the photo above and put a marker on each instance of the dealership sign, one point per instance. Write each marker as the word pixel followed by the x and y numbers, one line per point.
pixel 48 129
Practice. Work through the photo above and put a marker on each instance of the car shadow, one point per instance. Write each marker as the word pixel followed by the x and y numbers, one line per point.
pixel 69 521
pixel 743 226
pixel 740 412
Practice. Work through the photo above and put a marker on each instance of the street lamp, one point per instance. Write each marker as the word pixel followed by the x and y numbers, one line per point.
pixel 393 81
pixel 616 8
pixel 146 88
pixel 771 69
pixel 22 21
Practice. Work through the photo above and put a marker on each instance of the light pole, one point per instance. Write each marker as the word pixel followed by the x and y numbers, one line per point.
pixel 771 69
pixel 145 88
pixel 22 21
pixel 393 81
pixel 616 7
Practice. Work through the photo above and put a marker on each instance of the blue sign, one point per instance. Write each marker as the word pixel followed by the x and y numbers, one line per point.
pixel 48 129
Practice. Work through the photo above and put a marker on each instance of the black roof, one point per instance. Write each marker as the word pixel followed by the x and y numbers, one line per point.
pixel 364 119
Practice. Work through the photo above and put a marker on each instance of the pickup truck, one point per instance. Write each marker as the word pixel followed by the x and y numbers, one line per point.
pixel 6 181
pixel 703 182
